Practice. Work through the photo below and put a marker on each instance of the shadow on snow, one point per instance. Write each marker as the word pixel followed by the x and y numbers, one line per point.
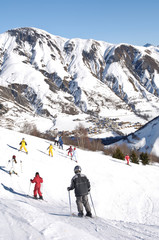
pixel 2 169
pixel 12 147
pixel 12 191
pixel 60 214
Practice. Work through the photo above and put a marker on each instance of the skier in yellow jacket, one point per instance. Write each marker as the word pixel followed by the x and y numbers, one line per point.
pixel 50 150
pixel 23 144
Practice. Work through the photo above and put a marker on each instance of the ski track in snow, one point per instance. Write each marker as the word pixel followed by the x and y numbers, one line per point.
pixel 132 212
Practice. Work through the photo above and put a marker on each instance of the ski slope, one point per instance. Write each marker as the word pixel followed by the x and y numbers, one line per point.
pixel 125 197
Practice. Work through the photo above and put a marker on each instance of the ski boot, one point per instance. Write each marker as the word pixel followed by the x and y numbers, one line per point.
pixel 89 214
pixel 80 214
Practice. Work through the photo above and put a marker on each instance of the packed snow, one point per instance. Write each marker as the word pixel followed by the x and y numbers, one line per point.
pixel 125 197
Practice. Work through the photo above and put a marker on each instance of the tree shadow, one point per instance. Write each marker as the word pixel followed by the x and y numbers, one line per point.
pixel 12 191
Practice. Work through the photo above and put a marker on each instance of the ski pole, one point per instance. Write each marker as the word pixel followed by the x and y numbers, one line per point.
pixel 8 163
pixel 70 202
pixel 21 166
pixel 41 187
pixel 93 204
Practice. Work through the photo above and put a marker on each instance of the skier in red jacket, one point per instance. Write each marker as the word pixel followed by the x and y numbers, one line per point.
pixel 127 158
pixel 70 150
pixel 37 180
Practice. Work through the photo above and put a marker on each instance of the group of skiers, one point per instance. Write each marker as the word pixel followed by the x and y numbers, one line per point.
pixel 59 142
pixel 79 182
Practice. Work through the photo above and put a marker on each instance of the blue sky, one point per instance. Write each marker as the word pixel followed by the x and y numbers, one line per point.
pixel 114 21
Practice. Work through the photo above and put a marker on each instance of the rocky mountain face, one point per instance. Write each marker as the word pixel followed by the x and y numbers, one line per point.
pixel 45 77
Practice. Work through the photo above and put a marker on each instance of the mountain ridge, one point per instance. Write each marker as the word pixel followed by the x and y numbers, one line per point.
pixel 46 76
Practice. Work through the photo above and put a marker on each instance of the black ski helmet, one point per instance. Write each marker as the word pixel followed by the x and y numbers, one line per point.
pixel 36 173
pixel 77 169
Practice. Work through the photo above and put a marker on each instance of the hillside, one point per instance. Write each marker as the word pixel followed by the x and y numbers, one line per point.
pixel 125 197
pixel 46 78
pixel 146 139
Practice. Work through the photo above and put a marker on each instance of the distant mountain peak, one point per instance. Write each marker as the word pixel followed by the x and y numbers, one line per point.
pixel 148 45
pixel 49 76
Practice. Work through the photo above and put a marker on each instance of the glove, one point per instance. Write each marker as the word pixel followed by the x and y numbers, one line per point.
pixel 68 189
pixel 30 180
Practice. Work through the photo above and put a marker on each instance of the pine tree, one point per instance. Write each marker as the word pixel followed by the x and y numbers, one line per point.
pixel 134 157
pixel 144 158
pixel 118 154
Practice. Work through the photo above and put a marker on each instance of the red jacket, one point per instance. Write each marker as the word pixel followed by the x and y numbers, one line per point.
pixel 70 149
pixel 37 180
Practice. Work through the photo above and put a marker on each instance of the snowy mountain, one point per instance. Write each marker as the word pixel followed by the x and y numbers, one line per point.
pixel 46 78
pixel 125 197
pixel 146 139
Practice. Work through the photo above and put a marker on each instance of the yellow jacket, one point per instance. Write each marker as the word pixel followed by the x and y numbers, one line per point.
pixel 23 143
pixel 50 147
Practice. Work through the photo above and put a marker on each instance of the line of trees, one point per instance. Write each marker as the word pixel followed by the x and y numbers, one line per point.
pixel 134 156
pixel 80 139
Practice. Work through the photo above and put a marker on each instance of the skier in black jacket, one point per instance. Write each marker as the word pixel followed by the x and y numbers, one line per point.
pixel 81 185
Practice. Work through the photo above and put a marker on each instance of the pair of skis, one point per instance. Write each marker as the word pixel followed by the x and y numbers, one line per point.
pixel 84 216
pixel 38 199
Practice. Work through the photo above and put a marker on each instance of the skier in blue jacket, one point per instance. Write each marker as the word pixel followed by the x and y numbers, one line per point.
pixel 60 142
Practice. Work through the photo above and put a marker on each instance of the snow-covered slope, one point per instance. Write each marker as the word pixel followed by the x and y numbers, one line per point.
pixel 146 139
pixel 125 197
pixel 45 77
